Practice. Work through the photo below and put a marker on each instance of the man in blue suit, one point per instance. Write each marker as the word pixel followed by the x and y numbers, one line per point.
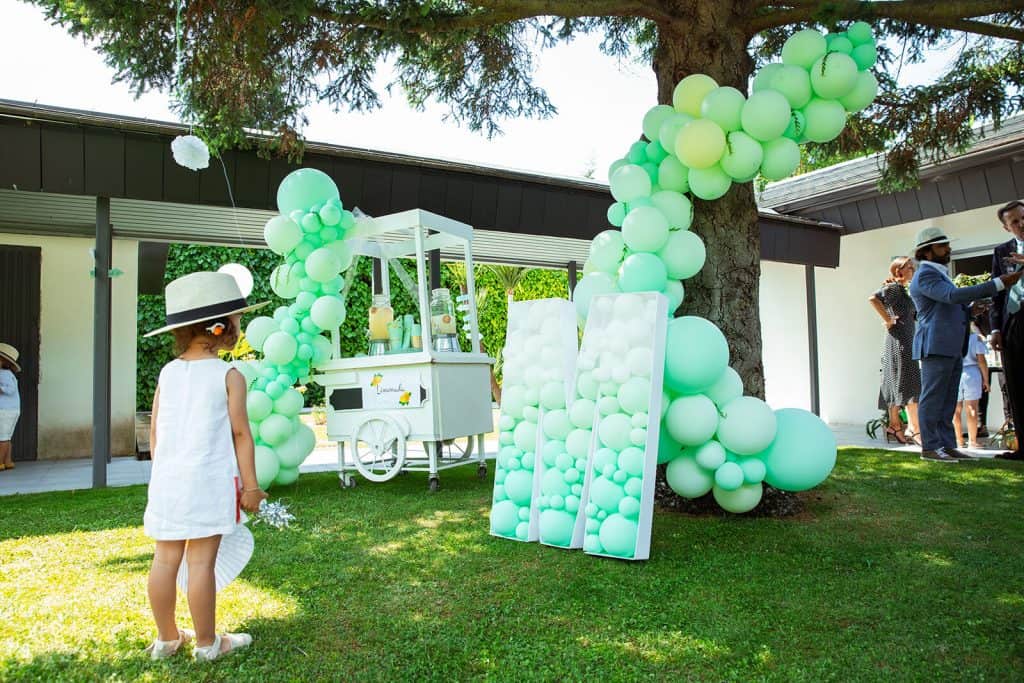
pixel 940 340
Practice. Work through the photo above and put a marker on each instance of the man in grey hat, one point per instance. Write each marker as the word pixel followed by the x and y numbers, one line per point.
pixel 1007 324
pixel 940 340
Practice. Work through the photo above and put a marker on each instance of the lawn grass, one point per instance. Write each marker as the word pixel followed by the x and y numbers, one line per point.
pixel 899 570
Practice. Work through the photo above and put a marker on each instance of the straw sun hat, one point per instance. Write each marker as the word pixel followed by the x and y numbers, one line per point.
pixel 203 296
pixel 10 354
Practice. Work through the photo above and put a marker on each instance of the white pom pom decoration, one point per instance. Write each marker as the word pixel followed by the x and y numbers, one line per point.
pixel 190 152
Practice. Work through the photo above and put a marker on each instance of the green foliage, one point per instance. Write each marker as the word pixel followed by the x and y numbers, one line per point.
pixel 965 280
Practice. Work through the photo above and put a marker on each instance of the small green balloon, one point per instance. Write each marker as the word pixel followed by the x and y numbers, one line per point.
pixel 668 448
pixel 675 207
pixel 781 158
pixel 280 348
pixel 656 153
pixel 616 213
pixel 863 93
pixel 865 56
pixel 803 48
pixel 692 420
pixel 726 388
pixel 519 486
pixel 743 157
pixel 613 431
pixel 637 153
pixel 687 478
pixel 525 435
pixel 275 429
pixel 282 234
pixel 630 182
pixel 642 272
pixel 258 330
pixel 556 424
pixel 589 286
pixel 289 404
pixel 672 175
pixel 825 119
pixel 797 126
pixel 258 405
pixel 710 456
pixel 634 395
pixel 723 106
pixel 729 476
pixel 607 249
pixel 753 470
pixel 709 183
pixel 645 229
pixel 839 44
pixel 328 312
pixel 684 254
pixel 793 83
pixel 860 32
pixel 297 448
pixel 581 414
pixel 740 500
pixel 323 265
pixel 504 518
pixel 765 75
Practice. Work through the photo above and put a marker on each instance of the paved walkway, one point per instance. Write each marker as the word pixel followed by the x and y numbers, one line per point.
pixel 66 475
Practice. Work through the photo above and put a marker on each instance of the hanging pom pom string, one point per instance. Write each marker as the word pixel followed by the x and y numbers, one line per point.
pixel 188 150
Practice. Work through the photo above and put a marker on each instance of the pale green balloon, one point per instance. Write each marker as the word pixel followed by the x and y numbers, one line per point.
pixel 676 208
pixel 552 395
pixel 629 507
pixel 330 214
pixel 343 252
pixel 642 272
pixel 765 75
pixel 645 229
pixel 630 182
pixel 328 312
pixel 743 157
pixel 672 175
pixel 653 119
pixel 267 466
pixel 275 429
pixel 804 48
pixel 282 234
pixel 793 83
pixel 865 56
pixel 577 444
pixel 280 348
pixel 863 93
pixel 608 405
pixel 753 470
pixel 710 455
pixel 587 386
pixel 781 158
pixel 637 152
pixel 613 431
pixel 607 250
pixel 743 499
pixel 675 293
pixel 700 144
pixel 834 75
pixel 709 183
pixel 692 420
pixel 606 494
pixel 765 115
pixel 504 518
pixel 589 286
pixel 689 93
pixel 289 404
pixel 284 282
pixel 635 395
pixel 519 486
pixel 618 535
pixel 684 255
pixel 258 330
pixel 860 32
pixel 668 448
pixel 525 436
pixel 687 478
pixel 670 128
pixel 581 414
pixel 258 405
pixel 723 106
pixel 556 424
pixel 726 388
pixel 825 119
pixel 729 476
pixel 631 461
pixel 615 165
pixel 304 188
pixel 322 265
pixel 803 452
pixel 556 527
pixel 656 154
pixel 839 43
pixel 696 354
pixel 616 214
pixel 297 448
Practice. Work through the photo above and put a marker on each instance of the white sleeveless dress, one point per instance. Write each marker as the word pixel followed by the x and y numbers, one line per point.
pixel 194 479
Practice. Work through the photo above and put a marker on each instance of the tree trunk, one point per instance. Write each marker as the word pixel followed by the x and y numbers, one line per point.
pixel 707 39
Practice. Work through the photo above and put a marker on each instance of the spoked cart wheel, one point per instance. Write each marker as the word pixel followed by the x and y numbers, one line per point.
pixel 378 447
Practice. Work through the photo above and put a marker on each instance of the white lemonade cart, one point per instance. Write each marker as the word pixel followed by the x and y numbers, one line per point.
pixel 378 404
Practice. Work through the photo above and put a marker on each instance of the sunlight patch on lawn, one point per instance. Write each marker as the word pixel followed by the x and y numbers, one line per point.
pixel 936 560
pixel 661 647
pixel 1011 599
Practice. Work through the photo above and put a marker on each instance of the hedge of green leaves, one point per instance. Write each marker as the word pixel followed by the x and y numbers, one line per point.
pixel 154 352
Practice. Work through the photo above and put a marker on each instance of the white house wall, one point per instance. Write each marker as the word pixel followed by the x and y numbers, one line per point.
pixel 783 302
pixel 65 339
pixel 850 332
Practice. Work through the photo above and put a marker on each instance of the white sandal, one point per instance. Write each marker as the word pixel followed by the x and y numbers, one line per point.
pixel 236 641
pixel 162 649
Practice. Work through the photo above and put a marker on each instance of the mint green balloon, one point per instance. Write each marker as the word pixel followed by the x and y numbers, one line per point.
pixel 692 420
pixel 282 234
pixel 863 93
pixel 607 250
pixel 328 312
pixel 552 395
pixel 577 444
pixel 859 33
pixel 653 119
pixel 289 404
pixel 668 448
pixel 796 128
pixel 581 414
pixel 519 486
pixel 723 106
pixel 629 183
pixel 684 254
pixel 286 476
pixel 656 153
pixel 764 77
pixel 865 56
pixel 525 436
pixel 645 229
pixel 323 265
pixel 629 507
pixel 330 214
pixel 670 128
pixel 618 535
pixel 709 183
pixel 285 282
pixel 587 386
pixel 676 293
pixel 634 395
pixel 267 466
pixel 804 48
pixel 743 499
pixel 613 431
pixel 304 188
pixel 275 429
pixel 839 43
pixel 590 286
pixel 556 527
pixel 631 461
pixel 637 153
pixel 672 175
pixel 343 252
pixel 747 425
pixel 781 158
pixel 280 348
pixel 729 476
pixel 297 448
pixel 728 387
pixel 322 348
pixel 742 157
pixel 710 456
pixel 793 83
pixel 753 470
pixel 504 518
pixel 696 354
pixel 700 144
pixel 765 115
pixel 675 207
pixel 258 405
pixel 833 76
pixel 803 452
pixel 825 119
pixel 556 424
pixel 642 272
pixel 616 213
pixel 258 330
pixel 606 494
pixel 687 478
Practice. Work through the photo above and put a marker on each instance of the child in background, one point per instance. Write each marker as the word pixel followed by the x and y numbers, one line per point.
pixel 202 447
pixel 973 381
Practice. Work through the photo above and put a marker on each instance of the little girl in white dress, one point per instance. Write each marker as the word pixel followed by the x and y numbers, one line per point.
pixel 204 471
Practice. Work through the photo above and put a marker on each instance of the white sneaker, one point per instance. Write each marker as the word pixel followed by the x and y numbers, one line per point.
pixel 235 641
pixel 162 649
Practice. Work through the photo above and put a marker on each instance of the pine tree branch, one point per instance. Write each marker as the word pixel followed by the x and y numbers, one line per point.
pixel 947 15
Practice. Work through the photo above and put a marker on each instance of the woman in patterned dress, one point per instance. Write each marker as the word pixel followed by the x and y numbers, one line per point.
pixel 901 375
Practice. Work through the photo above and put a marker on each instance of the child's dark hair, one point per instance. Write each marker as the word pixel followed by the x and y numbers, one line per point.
pixel 220 332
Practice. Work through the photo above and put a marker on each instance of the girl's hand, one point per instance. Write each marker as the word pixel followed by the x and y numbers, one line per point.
pixel 251 500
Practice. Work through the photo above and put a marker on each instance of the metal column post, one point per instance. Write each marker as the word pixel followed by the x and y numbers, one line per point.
pixel 101 346
pixel 571 267
pixel 812 339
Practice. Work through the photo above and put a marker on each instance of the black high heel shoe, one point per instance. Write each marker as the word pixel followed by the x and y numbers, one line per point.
pixel 894 434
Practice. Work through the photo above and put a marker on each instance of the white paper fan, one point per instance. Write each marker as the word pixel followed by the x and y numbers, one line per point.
pixel 232 556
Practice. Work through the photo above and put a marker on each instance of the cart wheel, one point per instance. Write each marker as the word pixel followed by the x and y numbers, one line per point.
pixel 346 481
pixel 481 471
pixel 435 483
pixel 378 447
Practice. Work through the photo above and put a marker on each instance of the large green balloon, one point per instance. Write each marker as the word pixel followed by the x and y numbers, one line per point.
pixel 833 76
pixel 747 425
pixel 675 207
pixel 672 175
pixel 275 429
pixel 304 188
pixel 865 56
pixel 645 229
pixel 258 330
pixel 614 431
pixel 282 234
pixel 258 405
pixel 323 265
pixel 328 312
pixel 653 119
pixel 765 115
pixel 700 144
pixel 692 420
pixel 743 499
pixel 803 452
pixel 504 518
pixel 794 83
pixel 289 404
pixel 825 119
pixel 863 93
pixel 635 395
pixel 618 535
pixel 630 182
pixel 709 183
pixel 519 486
pixel 687 478
pixel 670 128
pixel 556 527
pixel 607 251
pixel 267 466
pixel 723 106
pixel 297 448
pixel 727 387
pixel 859 33
pixel 280 348
pixel 696 354
pixel 765 75
pixel 642 272
pixel 743 156
pixel 781 158
pixel 689 93
pixel 683 254
pixel 590 286
pixel 804 48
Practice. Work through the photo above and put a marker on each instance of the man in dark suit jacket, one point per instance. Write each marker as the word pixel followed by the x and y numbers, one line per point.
pixel 940 340
pixel 1007 321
